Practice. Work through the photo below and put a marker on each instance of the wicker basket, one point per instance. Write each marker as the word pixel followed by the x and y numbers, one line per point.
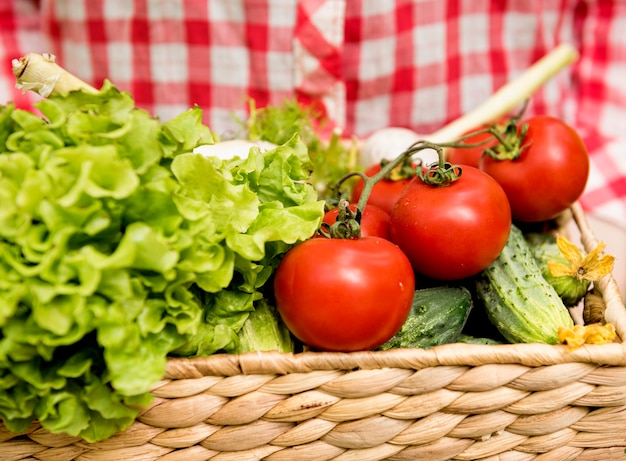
pixel 455 402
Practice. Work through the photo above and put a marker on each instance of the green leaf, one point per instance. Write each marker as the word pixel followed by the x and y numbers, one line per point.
pixel 184 132
pixel 63 411
pixel 96 172
pixel 209 192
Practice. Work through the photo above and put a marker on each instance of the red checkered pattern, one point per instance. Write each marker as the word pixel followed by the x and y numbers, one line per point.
pixel 368 63
pixel 19 30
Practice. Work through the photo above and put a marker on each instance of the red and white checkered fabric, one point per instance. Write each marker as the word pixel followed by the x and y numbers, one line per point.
pixel 368 63
pixel 19 31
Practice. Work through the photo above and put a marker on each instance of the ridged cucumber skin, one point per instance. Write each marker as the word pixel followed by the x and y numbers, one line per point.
pixel 522 305
pixel 437 316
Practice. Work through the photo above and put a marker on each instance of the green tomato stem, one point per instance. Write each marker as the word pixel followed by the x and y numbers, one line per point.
pixel 439 173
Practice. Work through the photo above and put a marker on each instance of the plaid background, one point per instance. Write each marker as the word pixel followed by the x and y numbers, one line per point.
pixel 19 31
pixel 370 63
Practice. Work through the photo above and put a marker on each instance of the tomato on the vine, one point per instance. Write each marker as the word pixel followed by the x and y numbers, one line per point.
pixel 454 230
pixel 543 167
pixel 344 294
pixel 374 221
pixel 385 192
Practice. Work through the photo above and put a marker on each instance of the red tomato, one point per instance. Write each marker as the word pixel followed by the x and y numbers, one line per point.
pixel 384 193
pixel 374 221
pixel 549 175
pixel 455 231
pixel 470 155
pixel 331 295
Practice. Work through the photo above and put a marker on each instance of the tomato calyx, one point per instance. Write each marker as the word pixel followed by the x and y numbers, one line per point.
pixel 510 137
pixel 440 173
pixel 347 225
pixel 510 140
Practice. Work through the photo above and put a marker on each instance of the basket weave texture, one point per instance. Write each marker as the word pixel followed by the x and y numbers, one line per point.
pixel 516 402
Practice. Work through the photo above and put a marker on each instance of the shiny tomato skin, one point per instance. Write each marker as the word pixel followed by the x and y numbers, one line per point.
pixel 374 221
pixel 331 295
pixel 470 155
pixel 384 193
pixel 455 231
pixel 550 174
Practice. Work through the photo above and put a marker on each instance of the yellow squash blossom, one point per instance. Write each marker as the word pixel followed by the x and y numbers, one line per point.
pixel 590 267
pixel 595 333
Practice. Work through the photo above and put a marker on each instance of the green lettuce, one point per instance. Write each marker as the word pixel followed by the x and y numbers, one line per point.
pixel 120 247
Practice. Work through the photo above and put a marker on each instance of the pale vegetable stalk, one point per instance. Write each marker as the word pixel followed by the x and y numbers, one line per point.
pixel 41 74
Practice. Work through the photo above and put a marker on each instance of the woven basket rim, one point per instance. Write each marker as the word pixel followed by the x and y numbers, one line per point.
pixel 457 354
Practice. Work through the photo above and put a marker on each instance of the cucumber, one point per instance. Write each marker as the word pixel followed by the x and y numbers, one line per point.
pixel 544 248
pixel 522 305
pixel 437 316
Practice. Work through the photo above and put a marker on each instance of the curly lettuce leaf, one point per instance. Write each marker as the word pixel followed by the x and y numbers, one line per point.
pixel 119 248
